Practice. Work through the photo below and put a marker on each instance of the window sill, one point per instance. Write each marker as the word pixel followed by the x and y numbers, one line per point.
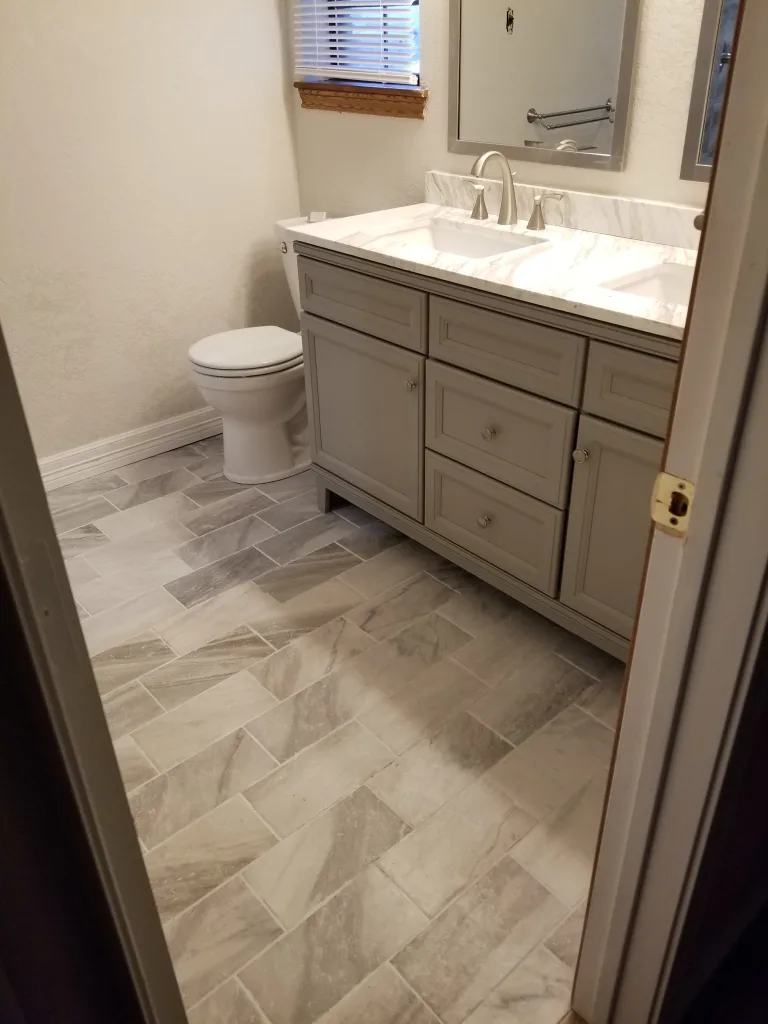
pixel 354 98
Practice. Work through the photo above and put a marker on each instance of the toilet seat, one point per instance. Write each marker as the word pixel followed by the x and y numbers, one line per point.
pixel 247 352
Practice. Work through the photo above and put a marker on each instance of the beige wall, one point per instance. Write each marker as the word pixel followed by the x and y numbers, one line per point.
pixel 349 162
pixel 146 153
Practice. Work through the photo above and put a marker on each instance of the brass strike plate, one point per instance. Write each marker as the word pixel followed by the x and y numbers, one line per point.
pixel 671 504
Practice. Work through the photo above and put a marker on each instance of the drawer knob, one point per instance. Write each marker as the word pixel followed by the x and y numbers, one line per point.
pixel 580 455
pixel 484 522
pixel 488 434
pixel 411 385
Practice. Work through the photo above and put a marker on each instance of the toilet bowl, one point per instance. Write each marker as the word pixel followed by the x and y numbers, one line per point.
pixel 254 377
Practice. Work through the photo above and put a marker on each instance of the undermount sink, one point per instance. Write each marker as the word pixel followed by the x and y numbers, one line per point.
pixel 666 282
pixel 470 241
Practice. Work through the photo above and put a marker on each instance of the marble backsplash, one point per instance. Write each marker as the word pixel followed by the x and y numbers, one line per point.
pixel 643 219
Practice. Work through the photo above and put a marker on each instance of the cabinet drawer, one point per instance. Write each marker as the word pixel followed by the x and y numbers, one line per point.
pixel 518 534
pixel 535 358
pixel 514 437
pixel 629 387
pixel 379 308
pixel 366 412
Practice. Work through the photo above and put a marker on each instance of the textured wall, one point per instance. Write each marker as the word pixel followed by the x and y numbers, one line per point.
pixel 349 162
pixel 146 153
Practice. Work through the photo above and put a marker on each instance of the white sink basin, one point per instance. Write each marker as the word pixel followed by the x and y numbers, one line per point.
pixel 468 240
pixel 666 282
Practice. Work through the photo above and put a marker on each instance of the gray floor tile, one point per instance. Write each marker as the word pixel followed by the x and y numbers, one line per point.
pixel 229 1004
pixel 397 564
pixel 309 658
pixel 186 677
pixel 134 767
pixel 212 490
pixel 119 624
pixel 202 584
pixel 317 778
pixel 293 512
pixel 538 991
pixel 603 700
pixel 282 490
pixel 282 624
pixel 437 768
pixel 371 540
pixel 310 536
pixel 219 543
pixel 76 516
pixel 83 540
pixel 79 572
pixel 553 764
pixel 159 464
pixel 155 487
pixel 209 468
pixel 355 687
pixel 202 856
pixel 457 845
pixel 188 630
pixel 210 446
pixel 383 998
pixel 194 787
pixel 128 708
pixel 304 869
pixel 401 718
pixel 475 943
pixel 560 851
pixel 228 510
pixel 355 515
pixel 302 976
pixel 82 490
pixel 477 606
pixel 526 699
pixel 565 943
pixel 140 549
pixel 122 525
pixel 105 592
pixel 202 720
pixel 517 642
pixel 127 661
pixel 218 936
pixel 305 573
pixel 392 611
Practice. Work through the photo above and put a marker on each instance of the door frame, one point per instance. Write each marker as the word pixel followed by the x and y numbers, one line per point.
pixel 703 599
pixel 66 691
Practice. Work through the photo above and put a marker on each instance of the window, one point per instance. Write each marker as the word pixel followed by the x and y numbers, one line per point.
pixel 357 41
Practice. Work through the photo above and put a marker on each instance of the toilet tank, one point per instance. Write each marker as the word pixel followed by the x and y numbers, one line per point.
pixel 285 237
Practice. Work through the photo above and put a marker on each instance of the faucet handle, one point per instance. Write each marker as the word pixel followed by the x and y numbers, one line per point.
pixel 479 210
pixel 536 222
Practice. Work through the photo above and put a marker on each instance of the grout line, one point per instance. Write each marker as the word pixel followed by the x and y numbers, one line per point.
pixel 249 995
pixel 410 988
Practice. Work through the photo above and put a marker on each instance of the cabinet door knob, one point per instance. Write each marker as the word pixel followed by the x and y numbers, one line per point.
pixel 488 434
pixel 411 385
pixel 484 522
pixel 580 455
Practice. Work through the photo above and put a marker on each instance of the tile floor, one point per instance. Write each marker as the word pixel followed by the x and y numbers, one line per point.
pixel 367 786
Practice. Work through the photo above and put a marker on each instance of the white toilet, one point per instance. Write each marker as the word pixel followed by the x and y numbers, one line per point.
pixel 255 378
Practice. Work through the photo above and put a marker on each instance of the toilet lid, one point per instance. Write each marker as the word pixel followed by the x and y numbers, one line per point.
pixel 247 351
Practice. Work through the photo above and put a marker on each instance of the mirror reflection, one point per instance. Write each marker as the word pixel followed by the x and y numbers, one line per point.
pixel 541 75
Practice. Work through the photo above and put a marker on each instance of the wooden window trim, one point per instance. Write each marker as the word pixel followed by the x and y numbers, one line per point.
pixel 364 98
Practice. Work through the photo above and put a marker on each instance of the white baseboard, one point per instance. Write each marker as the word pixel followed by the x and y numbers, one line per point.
pixel 121 450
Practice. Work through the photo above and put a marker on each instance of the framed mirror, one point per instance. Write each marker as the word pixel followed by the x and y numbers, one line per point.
pixel 543 80
pixel 713 61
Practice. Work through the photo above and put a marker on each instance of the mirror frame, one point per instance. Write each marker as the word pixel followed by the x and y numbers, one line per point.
pixel 691 169
pixel 613 161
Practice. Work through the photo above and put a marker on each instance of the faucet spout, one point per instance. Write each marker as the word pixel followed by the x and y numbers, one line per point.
pixel 508 209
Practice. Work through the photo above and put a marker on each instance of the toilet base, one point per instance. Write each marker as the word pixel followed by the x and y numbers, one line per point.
pixel 299 467
pixel 258 453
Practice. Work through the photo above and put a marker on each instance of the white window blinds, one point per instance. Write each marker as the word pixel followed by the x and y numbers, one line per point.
pixel 357 40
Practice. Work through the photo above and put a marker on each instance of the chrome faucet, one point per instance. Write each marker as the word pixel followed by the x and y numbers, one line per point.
pixel 508 209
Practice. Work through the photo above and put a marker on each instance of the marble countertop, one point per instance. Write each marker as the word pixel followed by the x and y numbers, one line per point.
pixel 565 272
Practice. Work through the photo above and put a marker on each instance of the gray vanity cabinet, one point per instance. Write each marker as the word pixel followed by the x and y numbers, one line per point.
pixel 521 443
pixel 609 522
pixel 366 403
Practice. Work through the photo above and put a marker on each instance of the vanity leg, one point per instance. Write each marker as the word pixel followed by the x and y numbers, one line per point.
pixel 325 498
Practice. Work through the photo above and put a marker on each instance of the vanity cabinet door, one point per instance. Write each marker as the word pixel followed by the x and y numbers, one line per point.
pixel 609 523
pixel 366 405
